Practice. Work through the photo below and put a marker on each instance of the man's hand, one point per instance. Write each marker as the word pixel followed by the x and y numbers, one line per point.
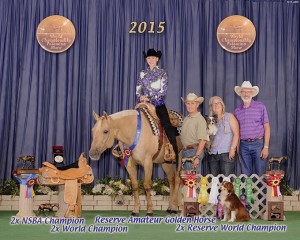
pixel 264 153
pixel 144 99
pixel 196 163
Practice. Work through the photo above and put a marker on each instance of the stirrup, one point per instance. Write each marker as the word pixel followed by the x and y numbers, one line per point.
pixel 169 155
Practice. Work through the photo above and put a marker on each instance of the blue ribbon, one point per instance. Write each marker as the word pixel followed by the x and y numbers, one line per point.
pixel 25 181
pixel 128 151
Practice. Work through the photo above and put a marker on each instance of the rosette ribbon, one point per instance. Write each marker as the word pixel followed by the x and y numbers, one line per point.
pixel 226 179
pixel 213 196
pixel 274 182
pixel 29 182
pixel 237 187
pixel 127 156
pixel 219 208
pixel 203 195
pixel 128 151
pixel 243 199
pixel 191 183
pixel 249 192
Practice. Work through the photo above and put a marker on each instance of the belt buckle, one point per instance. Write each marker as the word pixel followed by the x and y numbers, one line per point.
pixel 250 140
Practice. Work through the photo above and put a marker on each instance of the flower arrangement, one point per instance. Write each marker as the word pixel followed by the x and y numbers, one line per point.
pixel 118 187
pixel 296 193
pixel 108 186
pixel 44 190
pixel 160 187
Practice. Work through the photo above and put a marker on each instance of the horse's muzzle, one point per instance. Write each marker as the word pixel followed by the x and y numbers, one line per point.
pixel 94 155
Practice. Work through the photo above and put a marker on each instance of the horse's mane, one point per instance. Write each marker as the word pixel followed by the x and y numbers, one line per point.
pixel 123 114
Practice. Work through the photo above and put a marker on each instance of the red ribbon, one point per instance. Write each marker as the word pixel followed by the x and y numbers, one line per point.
pixel 274 182
pixel 127 155
pixel 191 182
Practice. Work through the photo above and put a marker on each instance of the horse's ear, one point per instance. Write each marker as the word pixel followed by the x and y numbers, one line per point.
pixel 105 115
pixel 96 116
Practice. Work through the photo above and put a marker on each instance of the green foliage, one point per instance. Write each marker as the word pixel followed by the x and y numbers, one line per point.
pixel 105 186
pixel 86 189
pixel 160 187
pixel 10 187
pixel 285 189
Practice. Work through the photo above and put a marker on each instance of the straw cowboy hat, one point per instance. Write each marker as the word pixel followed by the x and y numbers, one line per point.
pixel 192 97
pixel 152 53
pixel 246 85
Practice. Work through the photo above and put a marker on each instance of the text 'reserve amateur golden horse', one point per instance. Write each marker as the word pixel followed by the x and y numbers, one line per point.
pixel 122 126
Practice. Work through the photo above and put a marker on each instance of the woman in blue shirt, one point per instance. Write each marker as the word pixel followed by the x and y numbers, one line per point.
pixel 221 160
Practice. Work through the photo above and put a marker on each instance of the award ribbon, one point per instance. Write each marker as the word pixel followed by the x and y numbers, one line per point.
pixel 243 199
pixel 213 196
pixel 203 195
pixel 237 187
pixel 219 208
pixel 29 183
pixel 226 179
pixel 274 182
pixel 128 151
pixel 249 193
pixel 190 182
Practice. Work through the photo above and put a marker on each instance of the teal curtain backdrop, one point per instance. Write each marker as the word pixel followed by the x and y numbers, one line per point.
pixel 47 99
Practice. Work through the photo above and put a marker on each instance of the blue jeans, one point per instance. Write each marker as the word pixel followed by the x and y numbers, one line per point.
pixel 191 153
pixel 250 157
pixel 221 164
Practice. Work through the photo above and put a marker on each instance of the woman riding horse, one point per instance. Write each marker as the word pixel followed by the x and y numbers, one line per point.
pixel 137 133
pixel 152 87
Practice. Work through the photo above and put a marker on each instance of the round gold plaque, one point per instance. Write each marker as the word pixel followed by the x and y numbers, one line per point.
pixel 236 34
pixel 55 34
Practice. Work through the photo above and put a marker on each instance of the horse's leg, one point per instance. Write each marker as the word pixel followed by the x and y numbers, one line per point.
pixel 132 171
pixel 169 169
pixel 177 189
pixel 148 167
pixel 178 184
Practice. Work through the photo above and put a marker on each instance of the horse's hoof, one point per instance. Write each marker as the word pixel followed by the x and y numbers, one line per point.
pixel 149 214
pixel 168 211
pixel 134 214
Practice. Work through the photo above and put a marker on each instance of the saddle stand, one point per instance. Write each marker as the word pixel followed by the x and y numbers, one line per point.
pixel 72 179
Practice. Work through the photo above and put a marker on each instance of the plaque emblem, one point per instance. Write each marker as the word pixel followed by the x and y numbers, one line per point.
pixel 55 34
pixel 236 34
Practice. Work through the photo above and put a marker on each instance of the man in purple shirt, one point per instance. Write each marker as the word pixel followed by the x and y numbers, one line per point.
pixel 254 130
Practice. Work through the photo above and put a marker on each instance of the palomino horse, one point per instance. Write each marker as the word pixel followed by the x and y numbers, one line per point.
pixel 123 127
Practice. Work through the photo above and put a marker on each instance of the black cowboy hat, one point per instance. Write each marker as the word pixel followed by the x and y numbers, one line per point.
pixel 152 53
